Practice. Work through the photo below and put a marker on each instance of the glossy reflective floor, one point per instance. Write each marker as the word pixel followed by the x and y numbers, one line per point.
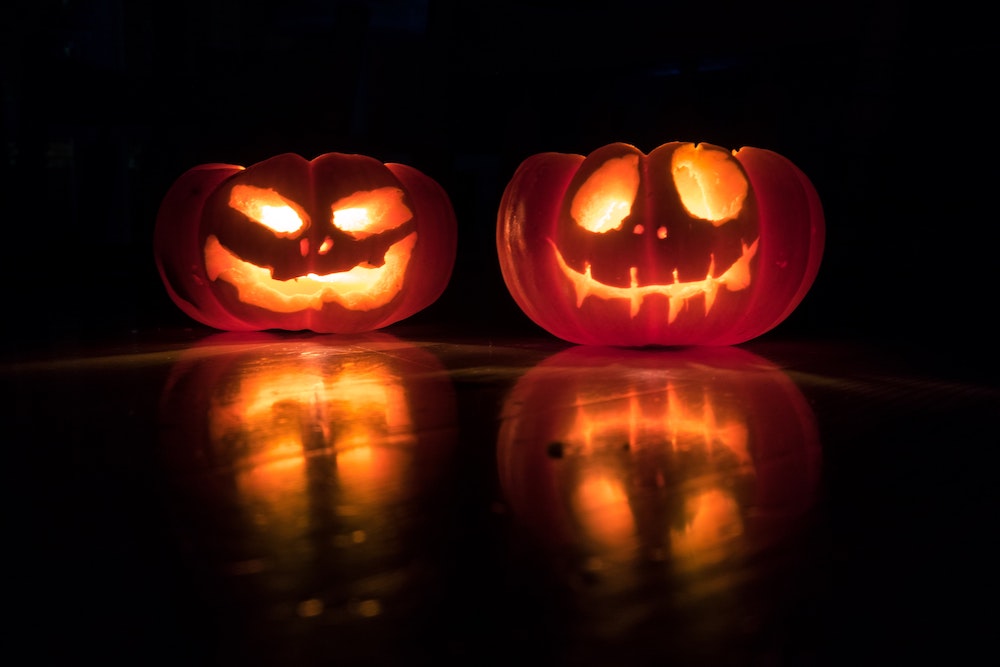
pixel 194 498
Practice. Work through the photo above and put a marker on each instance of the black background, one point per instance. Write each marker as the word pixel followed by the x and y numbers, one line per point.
pixel 887 107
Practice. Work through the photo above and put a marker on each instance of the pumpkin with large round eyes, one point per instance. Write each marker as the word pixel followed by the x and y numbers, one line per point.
pixel 688 245
pixel 339 244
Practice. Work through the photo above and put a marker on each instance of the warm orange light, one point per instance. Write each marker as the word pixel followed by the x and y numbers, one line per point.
pixel 370 212
pixel 695 421
pixel 268 208
pixel 658 472
pixel 294 458
pixel 710 183
pixel 375 424
pixel 735 278
pixel 712 522
pixel 283 415
pixel 659 438
pixel 361 288
pixel 654 416
pixel 602 505
pixel 604 201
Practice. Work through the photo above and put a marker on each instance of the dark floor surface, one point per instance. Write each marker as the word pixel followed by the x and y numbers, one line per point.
pixel 184 498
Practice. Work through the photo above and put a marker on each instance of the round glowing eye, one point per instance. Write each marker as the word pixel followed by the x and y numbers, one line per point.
pixel 710 183
pixel 605 199
pixel 268 208
pixel 370 212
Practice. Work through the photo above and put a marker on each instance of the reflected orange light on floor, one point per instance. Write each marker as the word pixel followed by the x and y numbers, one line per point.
pixel 306 434
pixel 660 419
pixel 674 456
pixel 713 519
pixel 281 414
pixel 273 496
pixel 310 454
pixel 602 505
pixel 658 415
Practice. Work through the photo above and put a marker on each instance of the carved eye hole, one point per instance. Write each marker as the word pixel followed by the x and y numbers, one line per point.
pixel 268 208
pixel 370 212
pixel 605 199
pixel 710 183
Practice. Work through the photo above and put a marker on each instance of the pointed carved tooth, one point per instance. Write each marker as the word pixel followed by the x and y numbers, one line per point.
pixel 736 277
pixel 582 286
pixel 711 291
pixel 676 303
pixel 635 303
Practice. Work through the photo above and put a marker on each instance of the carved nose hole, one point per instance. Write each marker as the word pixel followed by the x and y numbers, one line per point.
pixel 304 247
pixel 661 233
pixel 638 229
pixel 325 246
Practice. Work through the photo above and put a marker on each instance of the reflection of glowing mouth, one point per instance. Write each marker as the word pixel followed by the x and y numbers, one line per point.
pixel 735 278
pixel 361 288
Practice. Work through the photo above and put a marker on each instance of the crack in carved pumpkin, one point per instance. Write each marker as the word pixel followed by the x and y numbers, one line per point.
pixel 735 278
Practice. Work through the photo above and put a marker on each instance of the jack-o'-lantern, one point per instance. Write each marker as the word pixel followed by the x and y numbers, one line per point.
pixel 688 245
pixel 311 465
pixel 686 463
pixel 339 244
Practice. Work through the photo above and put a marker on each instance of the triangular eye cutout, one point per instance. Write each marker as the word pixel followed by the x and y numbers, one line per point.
pixel 269 209
pixel 605 199
pixel 710 182
pixel 370 212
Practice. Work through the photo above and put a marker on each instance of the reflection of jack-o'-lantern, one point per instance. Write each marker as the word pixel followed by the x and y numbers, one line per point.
pixel 687 458
pixel 307 465
pixel 689 245
pixel 339 244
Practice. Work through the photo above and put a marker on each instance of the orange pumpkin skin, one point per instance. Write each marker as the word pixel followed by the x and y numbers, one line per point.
pixel 352 244
pixel 613 249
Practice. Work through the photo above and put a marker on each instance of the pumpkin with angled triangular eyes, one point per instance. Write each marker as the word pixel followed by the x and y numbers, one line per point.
pixel 688 245
pixel 339 244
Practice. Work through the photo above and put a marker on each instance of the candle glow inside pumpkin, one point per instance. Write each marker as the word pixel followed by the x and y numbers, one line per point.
pixel 711 187
pixel 360 215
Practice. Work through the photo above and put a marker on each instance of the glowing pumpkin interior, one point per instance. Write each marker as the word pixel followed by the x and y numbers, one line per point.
pixel 368 274
pixel 711 187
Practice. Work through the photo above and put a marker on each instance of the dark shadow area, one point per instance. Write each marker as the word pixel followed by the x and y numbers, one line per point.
pixel 152 518
pixel 885 107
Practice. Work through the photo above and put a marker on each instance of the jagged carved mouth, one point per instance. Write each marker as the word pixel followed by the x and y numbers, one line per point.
pixel 361 288
pixel 735 278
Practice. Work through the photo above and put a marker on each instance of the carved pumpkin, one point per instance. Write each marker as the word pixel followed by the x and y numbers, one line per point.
pixel 310 466
pixel 339 244
pixel 689 245
pixel 614 458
